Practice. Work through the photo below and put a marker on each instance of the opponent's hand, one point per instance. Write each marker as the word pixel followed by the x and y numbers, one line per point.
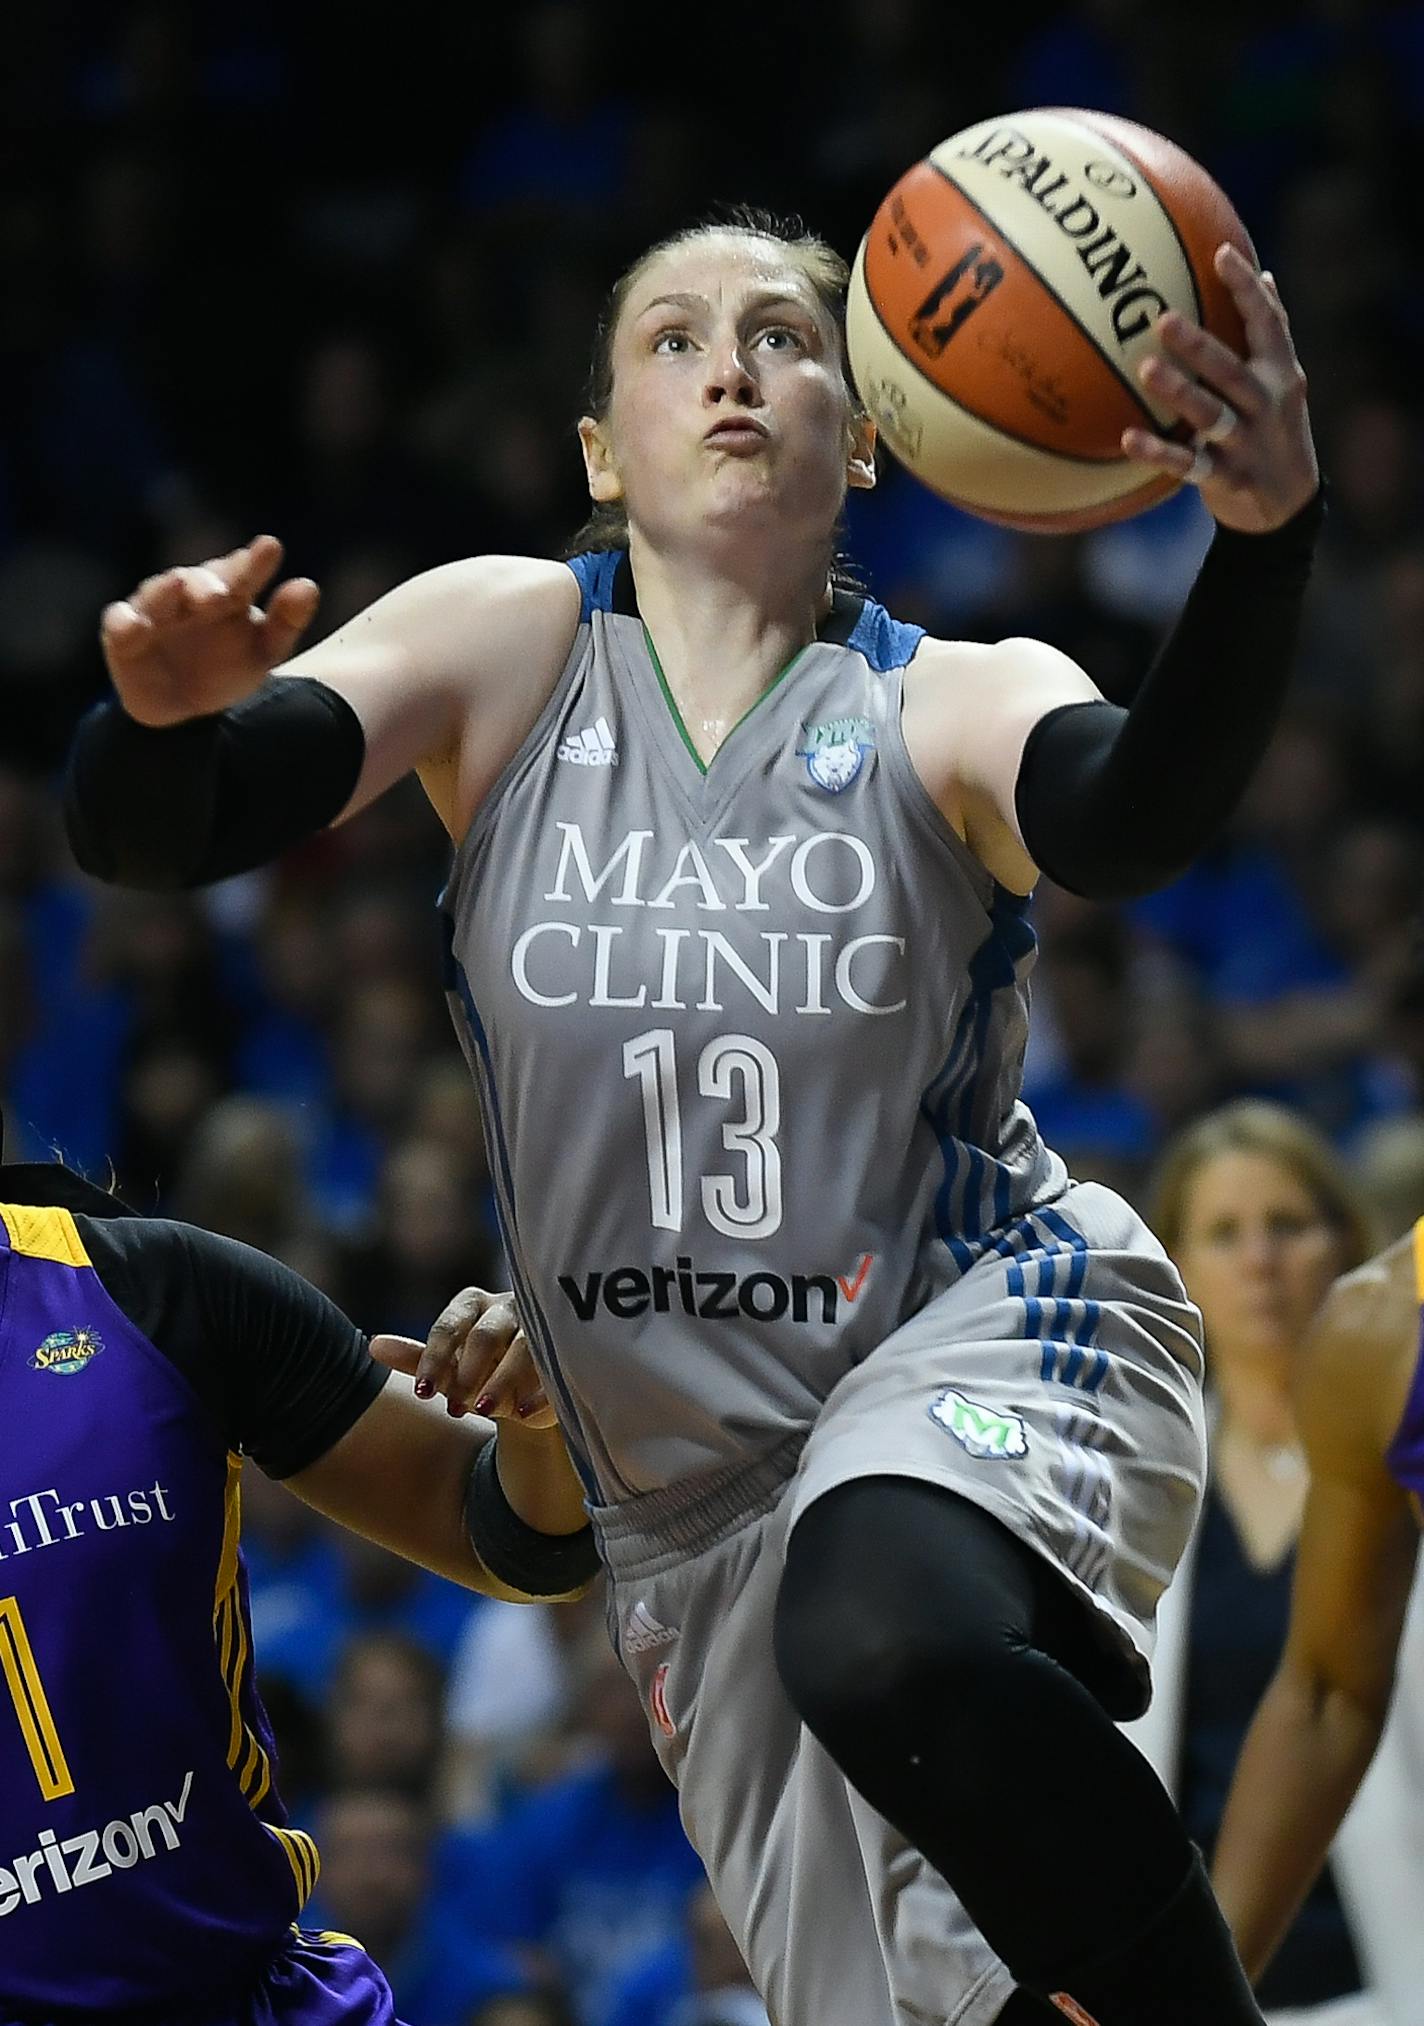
pixel 478 1357
pixel 192 641
pixel 1252 456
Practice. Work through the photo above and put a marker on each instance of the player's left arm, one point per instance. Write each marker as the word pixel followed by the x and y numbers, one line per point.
pixel 491 1503
pixel 1020 751
pixel 1320 1721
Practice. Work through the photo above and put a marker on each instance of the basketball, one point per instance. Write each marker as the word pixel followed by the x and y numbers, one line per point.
pixel 1005 296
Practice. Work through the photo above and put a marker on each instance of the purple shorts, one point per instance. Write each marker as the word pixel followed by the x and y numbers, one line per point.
pixel 317 1980
pixel 314 1980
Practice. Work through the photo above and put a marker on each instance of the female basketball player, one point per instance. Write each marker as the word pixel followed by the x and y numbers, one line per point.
pixel 147 1869
pixel 892 1434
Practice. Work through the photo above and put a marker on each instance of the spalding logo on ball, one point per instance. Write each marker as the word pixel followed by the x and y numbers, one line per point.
pixel 1005 295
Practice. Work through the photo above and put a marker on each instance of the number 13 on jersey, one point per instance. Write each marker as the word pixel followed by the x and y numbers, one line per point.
pixel 737 1069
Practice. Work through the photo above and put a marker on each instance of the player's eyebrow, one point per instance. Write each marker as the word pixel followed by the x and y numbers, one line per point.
pixel 687 299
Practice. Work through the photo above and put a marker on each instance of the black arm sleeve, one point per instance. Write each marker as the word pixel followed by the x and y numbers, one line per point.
pixel 195 802
pixel 539 1565
pixel 281 1371
pixel 1113 803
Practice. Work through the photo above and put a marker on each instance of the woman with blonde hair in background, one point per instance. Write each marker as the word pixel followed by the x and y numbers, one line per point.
pixel 1260 1216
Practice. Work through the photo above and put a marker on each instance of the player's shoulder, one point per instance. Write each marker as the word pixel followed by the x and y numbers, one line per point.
pixel 526 587
pixel 975 666
pixel 1358 1358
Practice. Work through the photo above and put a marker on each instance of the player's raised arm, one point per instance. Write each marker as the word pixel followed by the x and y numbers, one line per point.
pixel 207 763
pixel 1320 1720
pixel 1038 772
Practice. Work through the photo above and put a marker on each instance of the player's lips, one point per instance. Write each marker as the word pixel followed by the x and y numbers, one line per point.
pixel 737 432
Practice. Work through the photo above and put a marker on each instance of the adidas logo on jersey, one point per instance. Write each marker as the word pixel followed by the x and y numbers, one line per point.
pixel 595 748
pixel 642 1633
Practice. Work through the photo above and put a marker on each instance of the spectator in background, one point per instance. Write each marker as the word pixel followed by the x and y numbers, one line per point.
pixel 387 1718
pixel 241 1176
pixel 697 1979
pixel 381 1042
pixel 523 2008
pixel 376 1877
pixel 594 1869
pixel 1260 1218
pixel 427 1237
pixel 1389 1170
pixel 513 1686
pixel 1085 1105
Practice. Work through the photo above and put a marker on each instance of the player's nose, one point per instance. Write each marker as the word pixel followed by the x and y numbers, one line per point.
pixel 729 376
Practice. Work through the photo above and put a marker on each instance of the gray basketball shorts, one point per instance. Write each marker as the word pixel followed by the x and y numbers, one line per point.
pixel 1056 1384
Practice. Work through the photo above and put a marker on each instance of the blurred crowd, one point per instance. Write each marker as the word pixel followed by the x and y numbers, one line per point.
pixel 336 275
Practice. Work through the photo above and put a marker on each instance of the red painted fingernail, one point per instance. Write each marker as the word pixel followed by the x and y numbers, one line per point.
pixel 454 1408
pixel 424 1389
pixel 525 1409
pixel 484 1403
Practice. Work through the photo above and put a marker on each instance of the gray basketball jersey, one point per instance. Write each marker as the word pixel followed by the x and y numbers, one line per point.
pixel 748 1040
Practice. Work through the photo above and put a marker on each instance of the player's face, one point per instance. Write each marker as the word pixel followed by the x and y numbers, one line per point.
pixel 1257 1253
pixel 730 409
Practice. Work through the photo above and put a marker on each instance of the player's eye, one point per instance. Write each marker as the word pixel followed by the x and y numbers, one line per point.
pixel 781 338
pixel 672 343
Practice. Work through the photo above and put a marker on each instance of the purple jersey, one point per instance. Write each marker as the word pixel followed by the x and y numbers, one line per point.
pixel 136 1762
pixel 1405 1455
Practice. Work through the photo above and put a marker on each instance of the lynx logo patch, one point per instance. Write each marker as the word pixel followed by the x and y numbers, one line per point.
pixel 991 1437
pixel 67 1351
pixel 835 751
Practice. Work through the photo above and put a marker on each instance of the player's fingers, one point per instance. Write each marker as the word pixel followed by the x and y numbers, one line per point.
pixel 484 1346
pixel 1259 300
pixel 191 593
pixel 447 1333
pixel 398 1354
pixel 515 1388
pixel 1206 413
pixel 123 631
pixel 253 568
pixel 1224 371
pixel 290 612
pixel 1181 460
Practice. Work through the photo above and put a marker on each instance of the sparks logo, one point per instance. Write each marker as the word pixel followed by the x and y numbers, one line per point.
pixel 67 1351
pixel 628 1292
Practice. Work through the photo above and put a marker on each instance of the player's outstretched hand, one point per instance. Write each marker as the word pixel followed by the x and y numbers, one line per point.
pixel 194 640
pixel 477 1356
pixel 1252 454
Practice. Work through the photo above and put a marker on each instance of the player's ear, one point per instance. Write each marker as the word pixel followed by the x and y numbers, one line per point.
pixel 605 487
pixel 860 458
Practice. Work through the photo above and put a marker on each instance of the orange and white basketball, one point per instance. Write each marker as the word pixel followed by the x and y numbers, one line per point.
pixel 1005 296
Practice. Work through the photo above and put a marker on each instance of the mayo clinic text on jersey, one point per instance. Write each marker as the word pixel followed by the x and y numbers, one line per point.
pixel 557 962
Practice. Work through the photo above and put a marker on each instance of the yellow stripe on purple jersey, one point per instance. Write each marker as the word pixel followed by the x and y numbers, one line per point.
pixel 136 1762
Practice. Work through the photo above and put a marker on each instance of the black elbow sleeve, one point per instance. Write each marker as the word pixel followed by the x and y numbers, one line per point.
pixel 188 804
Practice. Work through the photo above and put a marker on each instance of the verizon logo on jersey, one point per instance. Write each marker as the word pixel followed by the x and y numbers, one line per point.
pixel 629 1291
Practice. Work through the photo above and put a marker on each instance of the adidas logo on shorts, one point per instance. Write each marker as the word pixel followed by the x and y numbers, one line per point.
pixel 642 1633
pixel 595 748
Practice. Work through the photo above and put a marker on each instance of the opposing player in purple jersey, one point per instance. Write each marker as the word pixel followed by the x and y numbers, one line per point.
pixel 1361 1414
pixel 147 1868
